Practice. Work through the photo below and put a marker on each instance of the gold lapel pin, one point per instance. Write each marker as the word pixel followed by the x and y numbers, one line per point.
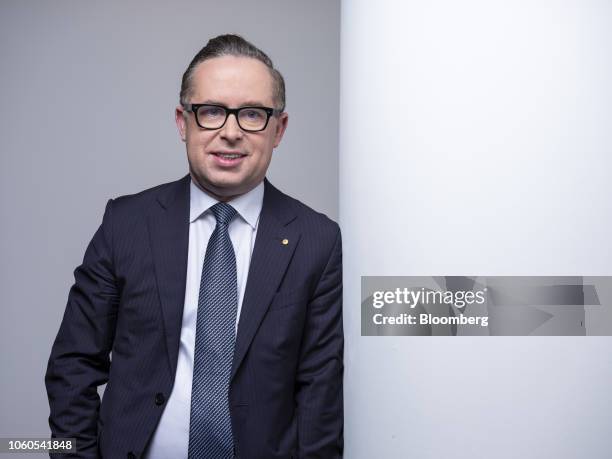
pixel 285 241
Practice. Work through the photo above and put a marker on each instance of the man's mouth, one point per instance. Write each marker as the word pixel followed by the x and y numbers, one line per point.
pixel 228 154
pixel 228 158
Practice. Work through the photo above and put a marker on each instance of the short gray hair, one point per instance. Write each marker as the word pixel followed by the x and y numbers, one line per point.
pixel 233 45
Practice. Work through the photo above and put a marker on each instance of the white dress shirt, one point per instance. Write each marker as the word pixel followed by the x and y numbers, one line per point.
pixel 171 438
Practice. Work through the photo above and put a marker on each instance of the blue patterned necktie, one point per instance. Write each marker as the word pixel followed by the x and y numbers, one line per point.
pixel 210 428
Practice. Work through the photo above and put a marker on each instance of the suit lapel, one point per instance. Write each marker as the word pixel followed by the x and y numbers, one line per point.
pixel 169 232
pixel 269 262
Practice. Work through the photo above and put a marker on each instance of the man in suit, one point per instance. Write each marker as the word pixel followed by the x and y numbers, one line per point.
pixel 218 297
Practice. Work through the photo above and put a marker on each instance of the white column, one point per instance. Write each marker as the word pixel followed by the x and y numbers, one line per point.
pixel 476 139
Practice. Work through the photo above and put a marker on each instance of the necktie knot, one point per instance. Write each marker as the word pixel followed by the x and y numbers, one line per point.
pixel 223 212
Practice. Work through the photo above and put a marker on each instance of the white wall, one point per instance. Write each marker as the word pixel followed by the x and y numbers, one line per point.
pixel 475 139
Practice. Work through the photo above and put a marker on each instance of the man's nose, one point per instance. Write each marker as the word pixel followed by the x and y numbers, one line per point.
pixel 231 130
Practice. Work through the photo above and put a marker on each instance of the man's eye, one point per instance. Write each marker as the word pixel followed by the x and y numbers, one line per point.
pixel 252 114
pixel 211 112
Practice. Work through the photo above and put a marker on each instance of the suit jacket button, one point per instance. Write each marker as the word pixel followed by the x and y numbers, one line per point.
pixel 131 455
pixel 159 398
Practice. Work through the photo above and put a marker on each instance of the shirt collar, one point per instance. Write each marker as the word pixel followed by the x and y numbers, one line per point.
pixel 247 205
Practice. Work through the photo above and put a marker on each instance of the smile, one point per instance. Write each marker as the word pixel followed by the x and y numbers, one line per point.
pixel 228 154
pixel 228 158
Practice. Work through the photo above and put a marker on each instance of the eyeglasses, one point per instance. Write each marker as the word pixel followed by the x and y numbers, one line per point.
pixel 250 119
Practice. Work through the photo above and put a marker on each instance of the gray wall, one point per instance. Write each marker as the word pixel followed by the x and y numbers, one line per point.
pixel 88 92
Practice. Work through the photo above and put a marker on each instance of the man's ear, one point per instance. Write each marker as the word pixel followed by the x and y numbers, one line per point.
pixel 181 122
pixel 281 125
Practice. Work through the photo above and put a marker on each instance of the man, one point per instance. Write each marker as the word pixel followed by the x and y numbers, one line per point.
pixel 218 295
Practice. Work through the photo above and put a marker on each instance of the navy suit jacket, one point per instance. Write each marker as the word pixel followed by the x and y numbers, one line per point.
pixel 285 391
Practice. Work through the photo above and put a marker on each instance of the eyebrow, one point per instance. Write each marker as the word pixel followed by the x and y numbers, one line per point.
pixel 248 103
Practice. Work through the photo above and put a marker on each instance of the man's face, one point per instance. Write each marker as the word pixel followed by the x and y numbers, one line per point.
pixel 233 82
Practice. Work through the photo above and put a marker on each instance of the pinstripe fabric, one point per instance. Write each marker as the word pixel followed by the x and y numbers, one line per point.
pixel 285 392
pixel 210 429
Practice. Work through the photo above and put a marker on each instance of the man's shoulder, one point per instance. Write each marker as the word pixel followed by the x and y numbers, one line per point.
pixel 305 215
pixel 143 199
pixel 138 204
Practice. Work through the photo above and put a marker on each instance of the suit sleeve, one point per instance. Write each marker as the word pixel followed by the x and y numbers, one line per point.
pixel 319 394
pixel 80 360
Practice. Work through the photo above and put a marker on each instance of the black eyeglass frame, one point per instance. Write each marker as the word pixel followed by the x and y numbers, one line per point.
pixel 193 108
